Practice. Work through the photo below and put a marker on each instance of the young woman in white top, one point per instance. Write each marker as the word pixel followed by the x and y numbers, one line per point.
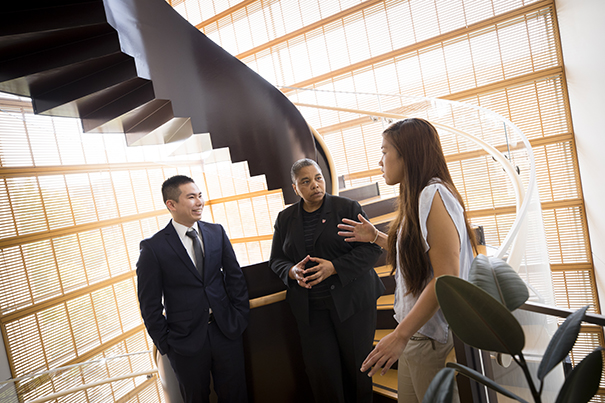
pixel 430 237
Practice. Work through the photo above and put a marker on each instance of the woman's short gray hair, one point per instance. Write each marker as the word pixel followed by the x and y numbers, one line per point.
pixel 300 164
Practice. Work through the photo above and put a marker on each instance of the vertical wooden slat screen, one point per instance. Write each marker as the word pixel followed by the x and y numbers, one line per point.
pixel 503 55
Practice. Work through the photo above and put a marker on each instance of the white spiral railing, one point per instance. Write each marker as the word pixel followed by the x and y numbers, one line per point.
pixel 38 387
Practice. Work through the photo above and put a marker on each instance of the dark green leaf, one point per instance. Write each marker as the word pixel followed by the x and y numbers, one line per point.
pixel 479 377
pixel 561 343
pixel 441 389
pixel 583 382
pixel 499 280
pixel 477 318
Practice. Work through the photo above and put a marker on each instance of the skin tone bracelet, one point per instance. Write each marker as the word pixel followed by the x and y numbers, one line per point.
pixel 376 237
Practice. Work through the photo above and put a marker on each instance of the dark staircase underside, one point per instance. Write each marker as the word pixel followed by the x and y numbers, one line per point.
pixel 137 67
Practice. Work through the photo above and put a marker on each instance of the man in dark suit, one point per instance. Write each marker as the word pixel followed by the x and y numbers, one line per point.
pixel 194 299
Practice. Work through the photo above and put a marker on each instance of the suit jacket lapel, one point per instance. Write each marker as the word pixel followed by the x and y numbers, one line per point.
pixel 297 231
pixel 176 244
pixel 205 244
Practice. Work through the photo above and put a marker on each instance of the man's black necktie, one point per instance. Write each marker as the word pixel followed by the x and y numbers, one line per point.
pixel 197 249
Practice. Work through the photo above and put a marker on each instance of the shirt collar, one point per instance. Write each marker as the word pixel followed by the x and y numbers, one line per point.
pixel 182 230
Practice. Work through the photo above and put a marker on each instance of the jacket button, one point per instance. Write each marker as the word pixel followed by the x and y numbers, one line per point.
pixel 332 287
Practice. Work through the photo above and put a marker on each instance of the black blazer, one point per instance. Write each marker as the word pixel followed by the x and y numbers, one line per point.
pixel 356 284
pixel 169 281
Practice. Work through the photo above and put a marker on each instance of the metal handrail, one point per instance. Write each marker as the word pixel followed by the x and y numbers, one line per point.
pixel 592 318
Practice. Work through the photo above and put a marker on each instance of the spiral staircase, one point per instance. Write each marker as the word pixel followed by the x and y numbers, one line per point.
pixel 139 68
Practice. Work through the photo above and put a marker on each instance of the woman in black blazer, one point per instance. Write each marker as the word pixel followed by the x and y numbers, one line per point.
pixel 332 286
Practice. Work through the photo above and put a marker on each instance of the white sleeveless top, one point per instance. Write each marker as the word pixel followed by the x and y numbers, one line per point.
pixel 436 328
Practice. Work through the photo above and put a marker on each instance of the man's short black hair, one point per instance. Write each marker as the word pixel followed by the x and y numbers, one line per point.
pixel 170 187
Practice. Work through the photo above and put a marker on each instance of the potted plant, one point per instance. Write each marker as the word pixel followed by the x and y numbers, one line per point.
pixel 479 313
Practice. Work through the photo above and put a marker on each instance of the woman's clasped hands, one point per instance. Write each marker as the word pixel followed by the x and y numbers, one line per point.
pixel 307 278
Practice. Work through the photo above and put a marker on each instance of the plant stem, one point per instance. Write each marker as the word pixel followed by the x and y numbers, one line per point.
pixel 530 381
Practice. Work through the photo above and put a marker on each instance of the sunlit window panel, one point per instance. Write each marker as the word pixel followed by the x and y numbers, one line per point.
pixel 486 58
pixel 25 346
pixel 42 273
pixel 56 335
pixel 234 219
pixel 128 304
pixel 94 148
pixel 155 177
pixel 68 143
pixel 214 185
pixel 42 140
pixel 357 38
pixel 219 215
pixel 81 198
pixel 433 67
pixel 316 45
pixel 67 380
pixel 123 188
pixel 7 222
pixel 116 142
pixel 259 208
pixel 93 252
pixel 31 393
pixel 241 252
pixel 16 292
pixel 115 249
pixel 106 313
pixel 91 373
pixel 56 201
pixel 180 8
pixel 255 253
pixel 85 330
pixel 132 236
pixel 557 176
pixel 143 194
pixel 194 14
pixel 150 226
pixel 69 262
pixel 137 343
pixel 459 65
pixel 577 285
pixel 26 203
pixel 14 146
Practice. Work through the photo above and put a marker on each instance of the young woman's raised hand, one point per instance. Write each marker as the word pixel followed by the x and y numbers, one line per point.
pixel 357 231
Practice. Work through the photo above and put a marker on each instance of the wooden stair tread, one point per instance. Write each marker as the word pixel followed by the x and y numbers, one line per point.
pixel 380 333
pixel 383 218
pixel 383 271
pixel 385 302
pixel 370 200
pixel 386 384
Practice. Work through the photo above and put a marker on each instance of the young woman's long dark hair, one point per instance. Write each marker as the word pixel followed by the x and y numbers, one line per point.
pixel 417 143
